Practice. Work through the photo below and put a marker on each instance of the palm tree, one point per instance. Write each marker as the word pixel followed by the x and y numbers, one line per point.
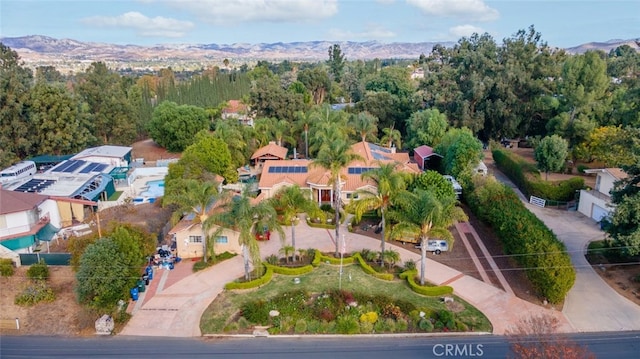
pixel 327 126
pixel 291 200
pixel 390 257
pixel 303 120
pixel 423 215
pixel 391 136
pixel 365 125
pixel 334 156
pixel 287 251
pixel 281 132
pixel 193 196
pixel 389 182
pixel 241 215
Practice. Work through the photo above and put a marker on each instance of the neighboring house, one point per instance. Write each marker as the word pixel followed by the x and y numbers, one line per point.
pixel 237 110
pixel 26 219
pixel 280 173
pixel 481 169
pixel 117 156
pixel 272 151
pixel 596 203
pixel 417 74
pixel 426 158
pixel 188 239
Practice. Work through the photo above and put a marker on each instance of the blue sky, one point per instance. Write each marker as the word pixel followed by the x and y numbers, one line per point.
pixel 563 23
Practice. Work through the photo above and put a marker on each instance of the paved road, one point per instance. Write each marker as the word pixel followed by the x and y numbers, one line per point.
pixel 177 310
pixel 603 345
pixel 591 305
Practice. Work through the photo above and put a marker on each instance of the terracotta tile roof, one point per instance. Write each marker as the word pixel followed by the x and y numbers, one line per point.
pixel 235 106
pixel 271 150
pixel 425 151
pixel 268 180
pixel 12 202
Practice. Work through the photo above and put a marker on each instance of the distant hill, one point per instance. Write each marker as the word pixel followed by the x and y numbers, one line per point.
pixel 42 47
pixel 604 46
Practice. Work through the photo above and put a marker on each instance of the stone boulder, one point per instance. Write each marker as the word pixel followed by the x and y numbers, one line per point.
pixel 104 325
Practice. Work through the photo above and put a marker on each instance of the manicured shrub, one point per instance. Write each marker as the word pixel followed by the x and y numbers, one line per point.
pixel 266 278
pixel 402 325
pixel 409 265
pixel 290 270
pixel 256 311
pixel 6 267
pixel 429 291
pixel 366 327
pixel 300 327
pixel 38 271
pixel 347 325
pixel 425 325
pixel 369 270
pixel 370 317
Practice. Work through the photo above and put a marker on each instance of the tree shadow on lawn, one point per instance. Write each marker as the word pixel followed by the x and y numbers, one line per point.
pixel 223 316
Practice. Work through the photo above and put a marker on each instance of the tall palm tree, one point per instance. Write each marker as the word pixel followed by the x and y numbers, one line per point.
pixel 422 214
pixel 303 121
pixel 282 132
pixel 291 200
pixel 365 125
pixel 241 215
pixel 195 197
pixel 328 125
pixel 334 156
pixel 391 136
pixel 389 182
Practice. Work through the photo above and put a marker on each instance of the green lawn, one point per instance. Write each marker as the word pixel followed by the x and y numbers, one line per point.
pixel 216 318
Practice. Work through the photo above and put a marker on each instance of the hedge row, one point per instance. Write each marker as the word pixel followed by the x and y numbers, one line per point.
pixel 410 276
pixel 266 278
pixel 527 177
pixel 536 248
pixel 369 270
pixel 321 258
pixel 290 270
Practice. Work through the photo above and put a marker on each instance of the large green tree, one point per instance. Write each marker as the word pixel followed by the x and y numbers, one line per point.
pixel 59 123
pixel 317 81
pixel 111 113
pixel 422 214
pixel 550 154
pixel 174 126
pixel 426 128
pixel 15 124
pixel 461 150
pixel 624 225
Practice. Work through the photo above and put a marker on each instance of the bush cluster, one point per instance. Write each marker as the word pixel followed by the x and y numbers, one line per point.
pixel 527 177
pixel 35 292
pixel 266 278
pixel 369 270
pixel 6 267
pixel 38 271
pixel 521 233
pixel 410 276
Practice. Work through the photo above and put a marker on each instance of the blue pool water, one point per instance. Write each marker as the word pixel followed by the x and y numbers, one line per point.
pixel 155 189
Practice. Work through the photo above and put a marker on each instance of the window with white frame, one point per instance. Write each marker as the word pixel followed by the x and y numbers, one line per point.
pixel 195 239
pixel 222 240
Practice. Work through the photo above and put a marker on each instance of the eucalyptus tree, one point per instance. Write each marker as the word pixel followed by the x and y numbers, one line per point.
pixel 389 183
pixel 426 127
pixel 196 198
pixel 421 214
pixel 290 201
pixel 335 154
pixel 243 215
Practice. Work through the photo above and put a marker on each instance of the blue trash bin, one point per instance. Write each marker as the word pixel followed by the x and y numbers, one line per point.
pixel 171 265
pixel 149 272
pixel 134 293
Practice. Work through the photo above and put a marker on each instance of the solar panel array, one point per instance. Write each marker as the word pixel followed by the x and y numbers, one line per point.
pixel 68 166
pixel 94 167
pixel 359 170
pixel 288 169
pixel 35 185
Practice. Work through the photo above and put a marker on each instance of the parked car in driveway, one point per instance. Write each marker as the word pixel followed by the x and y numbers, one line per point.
pixel 436 246
pixel 457 188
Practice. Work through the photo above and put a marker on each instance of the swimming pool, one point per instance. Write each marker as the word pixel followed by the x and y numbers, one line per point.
pixel 154 189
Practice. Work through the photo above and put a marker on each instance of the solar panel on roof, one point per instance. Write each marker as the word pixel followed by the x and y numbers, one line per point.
pixel 34 185
pixel 288 169
pixel 74 166
pixel 100 167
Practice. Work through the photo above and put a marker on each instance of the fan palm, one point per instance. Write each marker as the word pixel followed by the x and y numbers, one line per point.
pixel 241 215
pixel 421 214
pixel 388 183
pixel 334 156
pixel 195 197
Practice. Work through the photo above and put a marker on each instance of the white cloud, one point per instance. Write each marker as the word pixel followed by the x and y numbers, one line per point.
pixel 469 9
pixel 144 26
pixel 233 11
pixel 465 30
pixel 371 32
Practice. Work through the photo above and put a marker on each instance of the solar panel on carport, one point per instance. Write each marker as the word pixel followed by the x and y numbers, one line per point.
pixel 35 185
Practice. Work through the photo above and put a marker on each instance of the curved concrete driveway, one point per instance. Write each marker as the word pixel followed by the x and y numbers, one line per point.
pixel 591 305
pixel 176 310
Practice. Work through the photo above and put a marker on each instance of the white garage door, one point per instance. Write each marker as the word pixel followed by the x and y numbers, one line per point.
pixel 598 213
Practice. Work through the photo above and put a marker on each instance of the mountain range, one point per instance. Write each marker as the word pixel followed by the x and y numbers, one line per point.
pixel 43 49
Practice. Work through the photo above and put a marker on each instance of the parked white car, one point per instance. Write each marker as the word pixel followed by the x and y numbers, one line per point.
pixel 436 246
pixel 457 188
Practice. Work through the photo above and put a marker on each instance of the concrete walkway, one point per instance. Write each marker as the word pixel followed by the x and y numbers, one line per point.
pixel 176 311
